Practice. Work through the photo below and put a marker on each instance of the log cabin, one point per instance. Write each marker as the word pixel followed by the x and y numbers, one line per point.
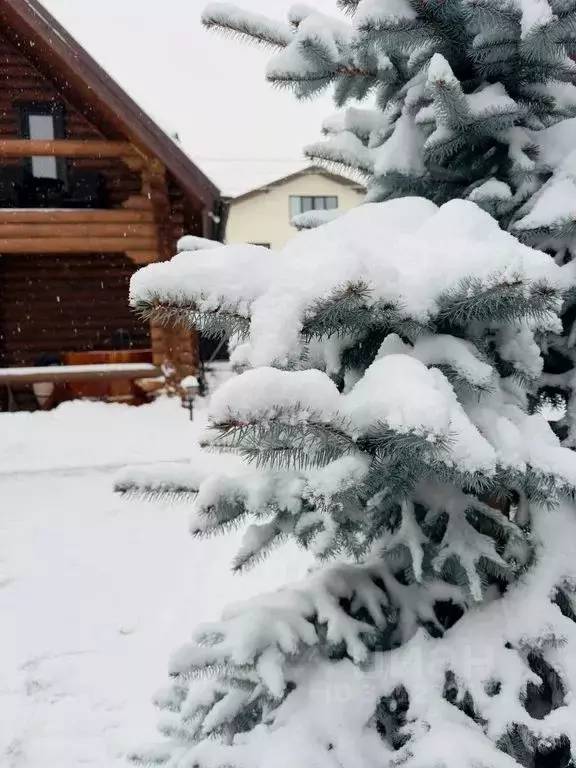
pixel 90 190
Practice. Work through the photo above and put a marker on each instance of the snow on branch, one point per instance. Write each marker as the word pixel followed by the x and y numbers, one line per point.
pixel 401 412
pixel 254 27
pixel 270 632
pixel 493 667
pixel 344 150
pixel 397 391
pixel 361 122
pixel 320 53
pixel 199 297
pixel 277 290
pixel 376 14
pixel 227 499
pixel 191 243
pixel 536 14
pixel 313 219
pixel 459 354
pixel 170 480
pixel 265 394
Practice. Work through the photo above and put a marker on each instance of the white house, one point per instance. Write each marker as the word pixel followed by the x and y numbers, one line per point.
pixel 264 216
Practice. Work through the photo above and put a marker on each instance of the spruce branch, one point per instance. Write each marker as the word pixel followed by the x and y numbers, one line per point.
pixel 167 483
pixel 349 6
pixel 337 162
pixel 283 443
pixel 220 323
pixel 246 26
pixel 489 16
pixel 317 80
pixel 351 307
pixel 258 542
pixel 450 103
pixel 562 229
pixel 508 300
pixel 340 314
pixel 223 515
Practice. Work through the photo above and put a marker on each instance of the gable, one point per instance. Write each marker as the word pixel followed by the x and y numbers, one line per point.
pixel 91 91
pixel 318 175
pixel 301 184
pixel 21 82
pixel 28 65
pixel 316 184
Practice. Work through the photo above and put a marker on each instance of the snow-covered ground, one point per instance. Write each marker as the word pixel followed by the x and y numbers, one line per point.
pixel 96 591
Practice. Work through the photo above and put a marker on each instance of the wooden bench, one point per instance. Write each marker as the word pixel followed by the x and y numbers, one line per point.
pixel 62 376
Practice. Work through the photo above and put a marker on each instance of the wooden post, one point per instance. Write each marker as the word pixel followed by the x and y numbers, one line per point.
pixel 207 224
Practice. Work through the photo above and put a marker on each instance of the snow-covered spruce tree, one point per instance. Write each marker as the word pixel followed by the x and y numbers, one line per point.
pixel 383 424
pixel 470 99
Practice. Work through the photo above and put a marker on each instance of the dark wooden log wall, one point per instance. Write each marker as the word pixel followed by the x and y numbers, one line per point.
pixel 52 303
pixel 20 83
pixel 185 220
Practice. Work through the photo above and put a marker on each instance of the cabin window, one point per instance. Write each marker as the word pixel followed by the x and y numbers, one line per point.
pixel 303 204
pixel 42 127
pixel 43 122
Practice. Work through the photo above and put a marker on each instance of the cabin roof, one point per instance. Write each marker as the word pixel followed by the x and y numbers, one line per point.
pixel 89 88
pixel 310 170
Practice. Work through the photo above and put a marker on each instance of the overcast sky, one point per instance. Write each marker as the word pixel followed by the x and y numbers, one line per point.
pixel 211 90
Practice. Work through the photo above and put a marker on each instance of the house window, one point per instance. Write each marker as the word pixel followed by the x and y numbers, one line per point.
pixel 43 122
pixel 262 245
pixel 300 205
